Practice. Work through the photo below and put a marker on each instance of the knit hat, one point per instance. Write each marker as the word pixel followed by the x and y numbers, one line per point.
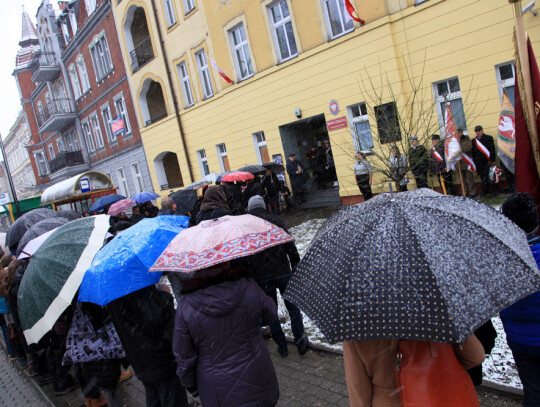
pixel 521 209
pixel 255 202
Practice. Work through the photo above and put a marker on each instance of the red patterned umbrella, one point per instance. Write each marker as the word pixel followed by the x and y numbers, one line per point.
pixel 218 241
pixel 121 206
pixel 237 176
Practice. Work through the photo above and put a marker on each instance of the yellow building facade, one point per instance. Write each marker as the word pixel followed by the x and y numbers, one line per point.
pixel 304 72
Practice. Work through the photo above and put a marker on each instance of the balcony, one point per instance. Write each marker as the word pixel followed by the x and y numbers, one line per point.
pixel 56 115
pixel 156 118
pixel 67 164
pixel 142 54
pixel 44 67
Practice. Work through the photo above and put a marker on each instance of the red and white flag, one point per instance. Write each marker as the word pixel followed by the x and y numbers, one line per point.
pixel 452 146
pixel 225 77
pixel 352 11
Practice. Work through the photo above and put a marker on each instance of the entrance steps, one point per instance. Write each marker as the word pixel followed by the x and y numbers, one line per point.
pixel 323 198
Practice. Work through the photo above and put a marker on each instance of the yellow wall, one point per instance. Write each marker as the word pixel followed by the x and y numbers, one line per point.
pixel 441 38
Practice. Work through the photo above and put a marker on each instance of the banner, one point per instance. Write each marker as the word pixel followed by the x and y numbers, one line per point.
pixel 452 146
pixel 506 135
pixel 117 126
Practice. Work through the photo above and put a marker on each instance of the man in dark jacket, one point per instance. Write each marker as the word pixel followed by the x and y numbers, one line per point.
pixel 295 169
pixel 271 269
pixel 418 160
pixel 233 192
pixel 214 204
pixel 270 183
pixel 252 188
pixel 437 164
pixel 466 148
pixel 144 321
pixel 483 155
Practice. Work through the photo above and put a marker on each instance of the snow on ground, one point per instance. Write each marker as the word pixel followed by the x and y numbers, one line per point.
pixel 499 367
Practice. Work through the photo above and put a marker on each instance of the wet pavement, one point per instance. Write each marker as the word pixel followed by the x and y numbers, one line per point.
pixel 316 380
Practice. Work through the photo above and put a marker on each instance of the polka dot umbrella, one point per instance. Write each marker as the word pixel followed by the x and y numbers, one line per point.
pixel 414 266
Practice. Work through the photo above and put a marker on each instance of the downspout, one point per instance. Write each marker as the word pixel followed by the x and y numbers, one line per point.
pixel 173 94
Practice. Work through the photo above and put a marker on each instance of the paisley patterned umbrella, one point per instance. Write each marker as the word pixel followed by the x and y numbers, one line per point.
pixel 121 206
pixel 415 265
pixel 217 241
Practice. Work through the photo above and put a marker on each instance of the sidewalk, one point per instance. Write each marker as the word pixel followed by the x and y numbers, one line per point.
pixel 315 380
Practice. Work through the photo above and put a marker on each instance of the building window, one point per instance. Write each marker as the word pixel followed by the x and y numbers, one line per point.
pixel 121 110
pixel 51 151
pixel 186 84
pixel 83 73
pixel 65 32
pixel 73 21
pixel 338 21
pixel 223 157
pixel 122 182
pixel 417 2
pixel 506 81
pixel 203 162
pixel 41 164
pixel 204 74
pixel 261 150
pixel 188 6
pixel 241 55
pixel 75 81
pixel 137 177
pixel 360 128
pixel 88 137
pixel 282 31
pixel 449 91
pixel 60 145
pixel 94 119
pixel 169 12
pixel 101 57
pixel 72 141
pixel 90 6
pixel 106 114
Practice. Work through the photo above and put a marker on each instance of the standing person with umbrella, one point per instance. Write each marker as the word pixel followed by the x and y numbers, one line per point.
pixel 295 169
pixel 272 269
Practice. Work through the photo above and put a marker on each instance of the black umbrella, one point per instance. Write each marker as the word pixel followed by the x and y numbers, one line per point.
pixel 69 214
pixel 185 200
pixel 100 203
pixel 40 228
pixel 274 167
pixel 415 265
pixel 21 225
pixel 252 168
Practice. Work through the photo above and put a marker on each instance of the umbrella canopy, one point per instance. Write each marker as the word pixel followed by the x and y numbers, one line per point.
pixel 144 196
pixel 121 206
pixel 414 265
pixel 198 184
pixel 69 214
pixel 100 203
pixel 185 200
pixel 274 167
pixel 220 177
pixel 121 267
pixel 21 225
pixel 237 176
pixel 39 229
pixel 217 241
pixel 252 168
pixel 55 273
pixel 213 176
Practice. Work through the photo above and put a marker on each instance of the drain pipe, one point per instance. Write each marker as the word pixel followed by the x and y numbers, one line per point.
pixel 173 94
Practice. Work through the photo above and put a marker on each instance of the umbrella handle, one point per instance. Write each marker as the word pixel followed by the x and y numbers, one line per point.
pixel 391 190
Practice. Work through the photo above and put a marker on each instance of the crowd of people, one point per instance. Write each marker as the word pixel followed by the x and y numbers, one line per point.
pixel 211 346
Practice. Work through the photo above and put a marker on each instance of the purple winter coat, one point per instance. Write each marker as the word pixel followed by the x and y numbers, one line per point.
pixel 219 348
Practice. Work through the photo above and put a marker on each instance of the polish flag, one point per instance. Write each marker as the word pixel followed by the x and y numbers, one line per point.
pixel 351 11
pixel 225 77
pixel 452 146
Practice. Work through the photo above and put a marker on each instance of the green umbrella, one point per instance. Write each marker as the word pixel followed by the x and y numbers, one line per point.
pixel 55 272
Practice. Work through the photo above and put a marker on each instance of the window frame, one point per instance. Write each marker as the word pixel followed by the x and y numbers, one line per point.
pixel 75 83
pixel 44 161
pixel 122 181
pixel 274 26
pixel 361 118
pixel 241 47
pixel 258 144
pixel 60 145
pixel 452 96
pixel 186 4
pixel 107 123
pixel 83 73
pixel 328 22
pixel 138 179
pixel 222 154
pixel 505 83
pixel 204 73
pixel 169 11
pixel 91 6
pixel 52 154
pixel 101 56
pixel 185 84
pixel 128 130
pixel 88 136
pixel 203 159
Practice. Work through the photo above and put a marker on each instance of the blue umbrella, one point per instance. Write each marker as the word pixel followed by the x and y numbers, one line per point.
pixel 100 203
pixel 218 179
pixel 121 267
pixel 143 197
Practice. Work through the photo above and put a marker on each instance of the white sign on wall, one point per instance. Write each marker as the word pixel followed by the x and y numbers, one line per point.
pixel 4 198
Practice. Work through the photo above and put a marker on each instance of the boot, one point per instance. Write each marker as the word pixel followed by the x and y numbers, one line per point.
pixel 100 402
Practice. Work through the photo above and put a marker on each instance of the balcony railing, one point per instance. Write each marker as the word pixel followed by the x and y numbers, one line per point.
pixel 44 67
pixel 171 185
pixel 56 114
pixel 66 159
pixel 142 54
pixel 156 118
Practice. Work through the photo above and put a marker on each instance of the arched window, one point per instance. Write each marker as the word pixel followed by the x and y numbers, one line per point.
pixel 137 35
pixel 152 102
pixel 168 171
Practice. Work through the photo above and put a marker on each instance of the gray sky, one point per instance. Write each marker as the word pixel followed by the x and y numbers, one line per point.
pixel 10 34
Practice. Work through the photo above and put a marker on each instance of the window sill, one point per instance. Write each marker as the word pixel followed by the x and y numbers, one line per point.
pixel 286 60
pixel 332 38
pixel 246 78
pixel 100 80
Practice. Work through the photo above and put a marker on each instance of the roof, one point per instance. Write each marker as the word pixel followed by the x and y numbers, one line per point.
pixel 92 181
pixel 29 33
pixel 25 55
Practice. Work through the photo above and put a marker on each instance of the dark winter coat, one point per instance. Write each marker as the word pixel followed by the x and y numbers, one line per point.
pixel 271 184
pixel 521 320
pixel 276 261
pixel 144 322
pixel 219 347
pixel 479 157
pixel 252 189
pixel 297 180
pixel 435 165
pixel 418 160
pixel 233 192
pixel 212 214
pixel 214 204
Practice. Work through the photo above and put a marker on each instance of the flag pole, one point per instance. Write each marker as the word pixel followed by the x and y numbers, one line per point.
pixel 521 39
pixel 463 192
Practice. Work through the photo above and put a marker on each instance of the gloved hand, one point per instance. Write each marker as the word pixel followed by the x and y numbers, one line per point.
pixel 193 391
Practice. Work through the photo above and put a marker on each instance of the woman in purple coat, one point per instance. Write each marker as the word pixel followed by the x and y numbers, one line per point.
pixel 217 339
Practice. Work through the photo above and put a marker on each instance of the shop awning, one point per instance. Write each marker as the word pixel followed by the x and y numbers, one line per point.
pixel 75 187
